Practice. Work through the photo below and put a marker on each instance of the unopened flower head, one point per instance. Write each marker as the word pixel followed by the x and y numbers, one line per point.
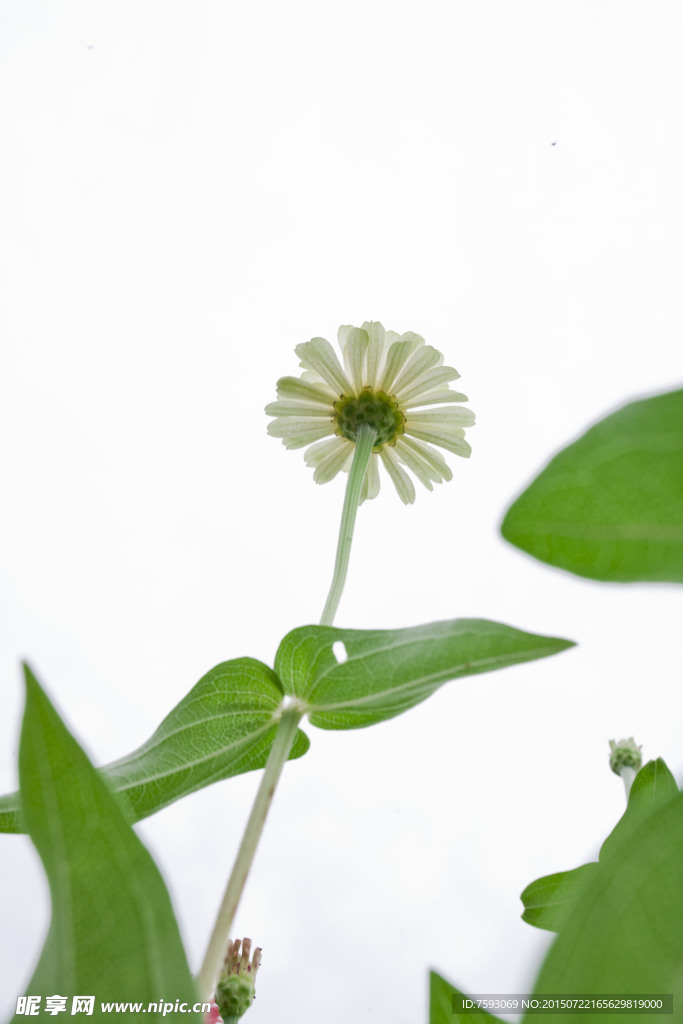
pixel 625 754
pixel 235 987
pixel 391 382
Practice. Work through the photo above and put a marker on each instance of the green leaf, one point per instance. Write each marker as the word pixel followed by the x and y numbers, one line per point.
pixel 389 671
pixel 548 900
pixel 113 934
pixel 610 506
pixel 653 787
pixel 223 727
pixel 441 1005
pixel 625 934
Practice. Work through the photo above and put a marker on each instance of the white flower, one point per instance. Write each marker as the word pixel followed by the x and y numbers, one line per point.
pixel 386 381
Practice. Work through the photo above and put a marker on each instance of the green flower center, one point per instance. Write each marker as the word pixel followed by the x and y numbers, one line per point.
pixel 372 407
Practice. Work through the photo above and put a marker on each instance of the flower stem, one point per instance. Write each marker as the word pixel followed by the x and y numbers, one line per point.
pixel 627 776
pixel 365 440
pixel 220 936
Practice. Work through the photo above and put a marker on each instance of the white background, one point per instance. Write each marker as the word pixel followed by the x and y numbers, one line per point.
pixel 188 191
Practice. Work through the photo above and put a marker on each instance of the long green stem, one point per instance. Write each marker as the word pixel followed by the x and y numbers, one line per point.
pixel 220 936
pixel 365 441
pixel 286 732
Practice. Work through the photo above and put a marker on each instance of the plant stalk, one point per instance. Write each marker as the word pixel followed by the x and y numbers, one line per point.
pixel 365 440
pixel 217 948
pixel 627 776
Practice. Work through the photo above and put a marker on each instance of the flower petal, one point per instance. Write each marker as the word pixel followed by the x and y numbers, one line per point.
pixel 342 335
pixel 435 397
pixel 281 408
pixel 460 417
pixel 451 441
pixel 427 383
pixel 371 483
pixel 431 457
pixel 398 353
pixel 423 359
pixel 338 454
pixel 318 355
pixel 414 463
pixel 297 433
pixel 354 356
pixel 416 339
pixel 320 450
pixel 375 353
pixel 400 479
pixel 298 389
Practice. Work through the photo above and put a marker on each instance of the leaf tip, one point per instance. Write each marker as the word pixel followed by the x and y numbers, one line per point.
pixel 33 687
pixel 510 527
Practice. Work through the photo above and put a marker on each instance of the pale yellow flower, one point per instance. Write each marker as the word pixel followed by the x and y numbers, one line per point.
pixel 389 381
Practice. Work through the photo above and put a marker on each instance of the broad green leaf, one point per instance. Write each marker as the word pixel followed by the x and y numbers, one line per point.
pixel 653 786
pixel 548 900
pixel 224 726
pixel 610 506
pixel 625 934
pixel 388 671
pixel 113 934
pixel 441 1005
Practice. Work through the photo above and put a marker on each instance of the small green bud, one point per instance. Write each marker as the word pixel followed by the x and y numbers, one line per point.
pixel 235 987
pixel 625 754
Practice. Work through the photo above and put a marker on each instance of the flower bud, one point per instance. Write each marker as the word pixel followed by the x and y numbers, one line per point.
pixel 625 754
pixel 235 988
